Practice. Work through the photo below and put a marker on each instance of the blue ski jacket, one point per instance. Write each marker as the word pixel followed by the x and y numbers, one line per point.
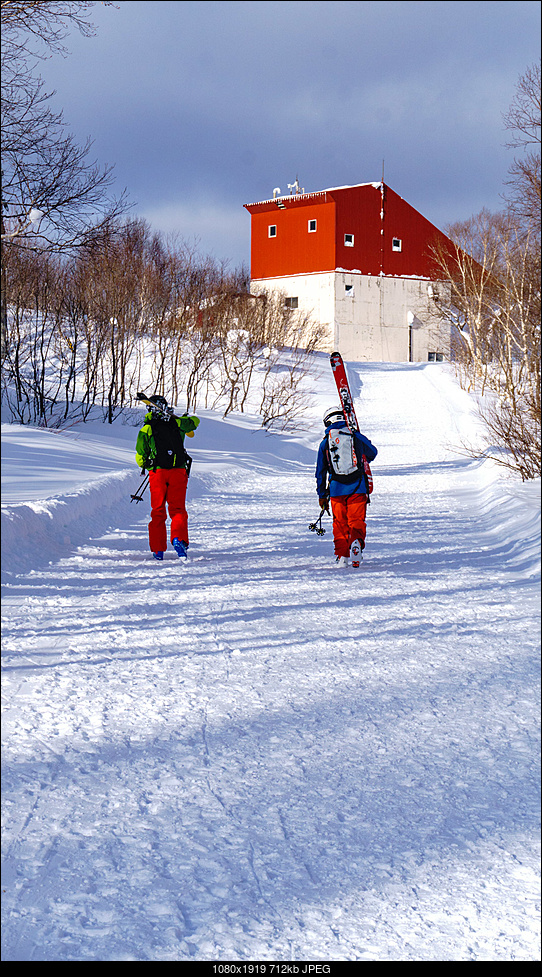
pixel 362 446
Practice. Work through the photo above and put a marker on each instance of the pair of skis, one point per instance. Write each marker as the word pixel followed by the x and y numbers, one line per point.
pixel 343 389
pixel 347 404
pixel 166 413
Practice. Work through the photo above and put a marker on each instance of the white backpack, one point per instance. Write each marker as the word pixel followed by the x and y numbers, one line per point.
pixel 342 455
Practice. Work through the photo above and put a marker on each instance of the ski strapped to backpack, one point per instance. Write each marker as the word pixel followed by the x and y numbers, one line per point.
pixel 164 412
pixel 368 474
pixel 342 457
pixel 161 415
pixel 343 389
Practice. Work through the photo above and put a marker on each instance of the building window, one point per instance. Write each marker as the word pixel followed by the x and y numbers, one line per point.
pixel 312 226
pixel 435 357
pixel 396 244
pixel 349 290
pixel 349 240
pixel 292 302
pixel 272 230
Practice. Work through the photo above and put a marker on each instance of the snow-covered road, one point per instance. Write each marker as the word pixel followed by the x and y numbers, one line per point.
pixel 256 756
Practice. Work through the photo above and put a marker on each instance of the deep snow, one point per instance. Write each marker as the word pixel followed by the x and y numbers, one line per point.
pixel 254 755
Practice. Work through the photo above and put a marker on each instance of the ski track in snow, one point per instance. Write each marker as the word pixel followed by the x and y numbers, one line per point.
pixel 256 756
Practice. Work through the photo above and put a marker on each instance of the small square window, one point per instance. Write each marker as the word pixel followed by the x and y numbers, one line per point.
pixel 272 230
pixel 312 226
pixel 396 244
pixel 292 302
pixel 349 289
pixel 349 240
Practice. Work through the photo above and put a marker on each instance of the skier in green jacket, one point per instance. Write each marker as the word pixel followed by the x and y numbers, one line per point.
pixel 160 450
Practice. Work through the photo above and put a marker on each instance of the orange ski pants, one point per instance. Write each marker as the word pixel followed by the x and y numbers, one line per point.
pixel 168 486
pixel 348 521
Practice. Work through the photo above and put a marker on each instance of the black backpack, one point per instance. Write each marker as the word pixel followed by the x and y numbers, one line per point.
pixel 169 443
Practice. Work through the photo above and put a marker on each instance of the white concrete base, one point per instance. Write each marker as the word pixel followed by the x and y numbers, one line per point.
pixel 369 318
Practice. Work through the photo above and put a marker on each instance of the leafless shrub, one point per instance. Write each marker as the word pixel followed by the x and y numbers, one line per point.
pixel 131 305
pixel 494 311
pixel 30 386
pixel 495 316
pixel 291 339
pixel 516 428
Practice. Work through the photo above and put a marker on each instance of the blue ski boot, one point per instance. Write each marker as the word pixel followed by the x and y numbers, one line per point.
pixel 159 555
pixel 180 546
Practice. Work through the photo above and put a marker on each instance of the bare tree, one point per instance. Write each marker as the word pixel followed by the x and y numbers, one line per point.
pixel 522 121
pixel 43 23
pixel 239 335
pixel 17 290
pixel 83 330
pixel 51 191
pixel 116 266
pixel 289 341
pixel 32 373
pixel 494 275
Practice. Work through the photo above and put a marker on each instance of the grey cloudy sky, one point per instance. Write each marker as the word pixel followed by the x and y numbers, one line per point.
pixel 205 106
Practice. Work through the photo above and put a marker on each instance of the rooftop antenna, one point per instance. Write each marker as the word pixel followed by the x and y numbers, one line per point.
pixel 295 187
pixel 382 171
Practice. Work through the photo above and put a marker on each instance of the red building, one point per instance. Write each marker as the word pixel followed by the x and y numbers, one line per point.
pixel 359 258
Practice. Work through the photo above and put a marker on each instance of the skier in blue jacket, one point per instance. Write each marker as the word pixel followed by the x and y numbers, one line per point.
pixel 341 479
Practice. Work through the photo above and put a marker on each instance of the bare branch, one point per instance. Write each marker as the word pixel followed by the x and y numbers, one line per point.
pixel 51 191
pixel 522 121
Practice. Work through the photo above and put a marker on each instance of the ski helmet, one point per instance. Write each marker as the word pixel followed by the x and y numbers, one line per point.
pixel 160 404
pixel 333 415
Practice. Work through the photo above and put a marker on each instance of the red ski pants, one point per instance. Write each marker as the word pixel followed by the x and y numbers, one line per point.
pixel 167 485
pixel 348 521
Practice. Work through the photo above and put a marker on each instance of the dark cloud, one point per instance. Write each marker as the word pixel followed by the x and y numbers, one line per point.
pixel 205 106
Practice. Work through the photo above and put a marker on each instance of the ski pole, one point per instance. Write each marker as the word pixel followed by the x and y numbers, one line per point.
pixel 138 497
pixel 316 527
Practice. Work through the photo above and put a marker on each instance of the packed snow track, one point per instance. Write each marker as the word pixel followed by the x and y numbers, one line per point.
pixel 253 755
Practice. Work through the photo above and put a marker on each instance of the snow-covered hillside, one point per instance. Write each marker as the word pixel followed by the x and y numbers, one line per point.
pixel 255 755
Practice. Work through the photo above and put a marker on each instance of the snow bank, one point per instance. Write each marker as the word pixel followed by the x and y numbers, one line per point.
pixel 42 531
pixel 62 488
pixel 510 510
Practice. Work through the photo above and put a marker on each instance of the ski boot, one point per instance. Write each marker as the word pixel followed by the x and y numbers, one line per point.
pixel 180 546
pixel 356 554
pixel 159 555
